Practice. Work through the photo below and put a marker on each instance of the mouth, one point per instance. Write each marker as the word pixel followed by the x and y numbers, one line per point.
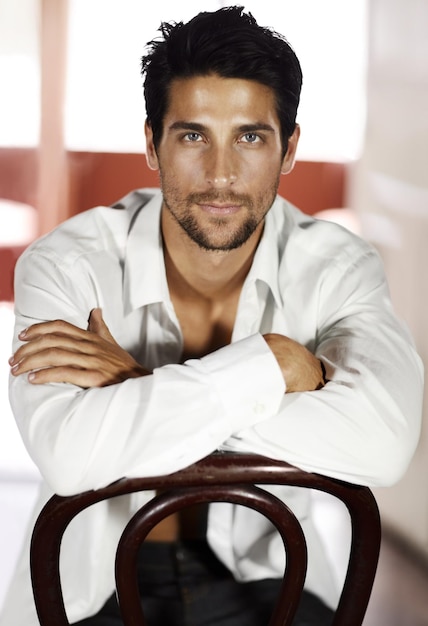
pixel 215 208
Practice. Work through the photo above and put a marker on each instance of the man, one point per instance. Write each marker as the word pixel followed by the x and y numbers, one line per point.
pixel 209 304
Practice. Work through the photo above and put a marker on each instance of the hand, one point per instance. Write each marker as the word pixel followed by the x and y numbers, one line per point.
pixel 58 352
pixel 301 370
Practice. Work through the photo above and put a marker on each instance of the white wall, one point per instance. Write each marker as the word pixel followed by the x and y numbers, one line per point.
pixel 390 192
pixel 19 478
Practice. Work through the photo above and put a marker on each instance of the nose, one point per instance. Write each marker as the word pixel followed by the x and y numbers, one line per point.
pixel 221 166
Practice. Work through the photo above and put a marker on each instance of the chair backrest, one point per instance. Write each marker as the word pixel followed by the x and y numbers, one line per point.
pixel 221 477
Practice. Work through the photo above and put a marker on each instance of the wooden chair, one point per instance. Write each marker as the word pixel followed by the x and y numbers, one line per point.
pixel 218 477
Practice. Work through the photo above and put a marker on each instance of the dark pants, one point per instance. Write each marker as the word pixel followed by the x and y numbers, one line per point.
pixel 184 584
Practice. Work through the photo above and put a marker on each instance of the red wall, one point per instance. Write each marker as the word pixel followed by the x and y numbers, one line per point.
pixel 18 174
pixel 102 178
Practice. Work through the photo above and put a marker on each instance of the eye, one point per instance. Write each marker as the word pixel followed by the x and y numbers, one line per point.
pixel 192 137
pixel 251 138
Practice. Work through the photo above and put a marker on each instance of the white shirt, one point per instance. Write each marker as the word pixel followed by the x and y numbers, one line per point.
pixel 310 280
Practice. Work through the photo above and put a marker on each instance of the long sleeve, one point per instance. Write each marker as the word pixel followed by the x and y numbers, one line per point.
pixel 364 425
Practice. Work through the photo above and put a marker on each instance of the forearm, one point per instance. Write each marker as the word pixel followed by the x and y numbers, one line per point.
pixel 156 424
pixel 362 427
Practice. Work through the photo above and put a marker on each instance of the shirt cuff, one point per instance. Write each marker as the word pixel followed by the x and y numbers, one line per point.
pixel 248 380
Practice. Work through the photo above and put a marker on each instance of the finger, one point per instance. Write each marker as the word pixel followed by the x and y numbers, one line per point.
pixel 81 377
pixel 98 326
pixel 55 356
pixel 84 343
pixel 44 328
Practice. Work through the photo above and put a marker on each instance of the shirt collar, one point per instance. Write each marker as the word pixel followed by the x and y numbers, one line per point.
pixel 144 273
pixel 265 267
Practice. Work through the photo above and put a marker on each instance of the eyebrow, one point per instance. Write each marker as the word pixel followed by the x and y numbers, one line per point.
pixel 250 128
pixel 243 128
pixel 183 125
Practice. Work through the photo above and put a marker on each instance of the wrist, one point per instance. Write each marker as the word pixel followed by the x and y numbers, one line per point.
pixel 324 376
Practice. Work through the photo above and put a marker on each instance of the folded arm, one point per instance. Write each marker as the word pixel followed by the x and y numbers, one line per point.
pixel 362 426
pixel 83 437
pixel 59 352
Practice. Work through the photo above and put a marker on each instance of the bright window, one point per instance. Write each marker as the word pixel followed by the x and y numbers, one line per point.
pixel 105 103
pixel 19 73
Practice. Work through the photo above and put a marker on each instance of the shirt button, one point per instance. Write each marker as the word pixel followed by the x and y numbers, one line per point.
pixel 259 408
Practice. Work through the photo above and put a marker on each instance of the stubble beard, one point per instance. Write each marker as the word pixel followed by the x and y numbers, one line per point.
pixel 219 236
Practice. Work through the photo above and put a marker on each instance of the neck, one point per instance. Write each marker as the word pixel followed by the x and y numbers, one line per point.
pixel 209 274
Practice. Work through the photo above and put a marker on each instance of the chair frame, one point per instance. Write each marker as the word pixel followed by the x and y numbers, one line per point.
pixel 220 477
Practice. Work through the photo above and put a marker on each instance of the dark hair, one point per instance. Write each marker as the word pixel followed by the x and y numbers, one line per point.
pixel 231 44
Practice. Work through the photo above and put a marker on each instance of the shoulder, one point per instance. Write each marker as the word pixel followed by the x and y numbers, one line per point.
pixel 316 239
pixel 102 229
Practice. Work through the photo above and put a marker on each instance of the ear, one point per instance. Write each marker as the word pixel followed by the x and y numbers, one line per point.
pixel 151 156
pixel 290 156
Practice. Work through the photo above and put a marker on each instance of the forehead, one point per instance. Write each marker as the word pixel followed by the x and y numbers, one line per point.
pixel 214 97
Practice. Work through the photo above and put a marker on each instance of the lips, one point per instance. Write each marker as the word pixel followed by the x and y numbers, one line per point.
pixel 219 209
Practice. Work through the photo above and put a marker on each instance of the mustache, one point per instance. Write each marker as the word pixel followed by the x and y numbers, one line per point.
pixel 225 197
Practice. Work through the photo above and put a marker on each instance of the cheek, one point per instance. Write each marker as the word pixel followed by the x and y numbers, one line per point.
pixel 177 178
pixel 183 166
pixel 263 170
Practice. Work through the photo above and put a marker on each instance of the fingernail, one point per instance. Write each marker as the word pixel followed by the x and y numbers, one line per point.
pixel 11 360
pixel 23 333
pixel 31 376
pixel 15 367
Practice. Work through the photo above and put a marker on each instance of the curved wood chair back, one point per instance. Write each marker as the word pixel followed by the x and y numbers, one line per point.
pixel 220 477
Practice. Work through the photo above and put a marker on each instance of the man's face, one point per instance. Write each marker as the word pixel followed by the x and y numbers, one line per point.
pixel 220 158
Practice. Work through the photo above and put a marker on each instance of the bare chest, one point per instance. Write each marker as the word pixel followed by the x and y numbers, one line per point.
pixel 205 327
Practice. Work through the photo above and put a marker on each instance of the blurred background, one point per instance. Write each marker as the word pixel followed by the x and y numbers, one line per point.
pixel 71 137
